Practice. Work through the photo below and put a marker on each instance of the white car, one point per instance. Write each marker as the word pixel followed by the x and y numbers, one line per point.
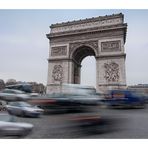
pixel 8 127
pixel 13 95
pixel 21 108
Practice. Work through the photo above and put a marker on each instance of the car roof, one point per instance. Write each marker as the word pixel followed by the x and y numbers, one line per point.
pixel 13 90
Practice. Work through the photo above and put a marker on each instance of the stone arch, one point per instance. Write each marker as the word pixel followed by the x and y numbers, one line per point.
pixel 93 45
pixel 81 52
pixel 102 37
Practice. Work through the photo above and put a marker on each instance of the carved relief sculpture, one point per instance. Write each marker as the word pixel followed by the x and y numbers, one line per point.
pixel 110 46
pixel 111 72
pixel 57 73
pixel 59 51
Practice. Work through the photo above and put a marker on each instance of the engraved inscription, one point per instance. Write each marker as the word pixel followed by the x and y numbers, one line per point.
pixel 57 73
pixel 110 46
pixel 59 51
pixel 111 72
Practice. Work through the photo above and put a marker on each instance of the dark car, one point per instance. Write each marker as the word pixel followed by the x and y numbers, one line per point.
pixel 124 99
pixel 27 88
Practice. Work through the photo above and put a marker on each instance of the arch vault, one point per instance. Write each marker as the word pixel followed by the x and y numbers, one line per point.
pixel 70 42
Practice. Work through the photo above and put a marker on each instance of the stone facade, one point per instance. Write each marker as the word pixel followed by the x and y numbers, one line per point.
pixel 70 42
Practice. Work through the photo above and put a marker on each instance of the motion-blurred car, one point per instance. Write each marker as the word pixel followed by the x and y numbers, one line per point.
pixel 27 88
pixel 64 103
pixel 71 98
pixel 12 91
pixel 20 92
pixel 93 124
pixel 23 109
pixel 9 127
pixel 124 99
pixel 13 95
pixel 144 96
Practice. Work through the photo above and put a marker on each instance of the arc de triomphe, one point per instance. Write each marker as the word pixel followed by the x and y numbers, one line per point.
pixel 70 42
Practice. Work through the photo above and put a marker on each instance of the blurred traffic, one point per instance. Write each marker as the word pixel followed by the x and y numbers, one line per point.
pixel 79 104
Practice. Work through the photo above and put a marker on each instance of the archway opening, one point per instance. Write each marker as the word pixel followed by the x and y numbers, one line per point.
pixel 88 71
pixel 84 66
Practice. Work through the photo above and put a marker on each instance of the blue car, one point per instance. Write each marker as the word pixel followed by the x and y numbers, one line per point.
pixel 124 99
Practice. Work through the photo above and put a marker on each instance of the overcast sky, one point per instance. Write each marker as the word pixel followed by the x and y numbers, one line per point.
pixel 24 47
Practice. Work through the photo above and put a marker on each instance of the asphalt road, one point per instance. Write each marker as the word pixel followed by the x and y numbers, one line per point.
pixel 121 123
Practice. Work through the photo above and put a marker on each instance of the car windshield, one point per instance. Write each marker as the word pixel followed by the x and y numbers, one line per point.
pixel 21 104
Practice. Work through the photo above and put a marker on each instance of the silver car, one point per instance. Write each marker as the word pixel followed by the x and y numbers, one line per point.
pixel 21 108
pixel 13 95
pixel 8 126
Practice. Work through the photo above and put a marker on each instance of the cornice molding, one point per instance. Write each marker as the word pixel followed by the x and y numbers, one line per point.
pixel 100 18
pixel 112 56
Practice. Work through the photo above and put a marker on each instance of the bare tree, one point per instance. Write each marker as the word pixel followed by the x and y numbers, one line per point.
pixel 2 84
pixel 11 82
